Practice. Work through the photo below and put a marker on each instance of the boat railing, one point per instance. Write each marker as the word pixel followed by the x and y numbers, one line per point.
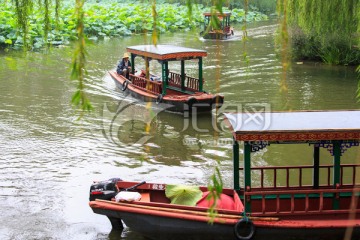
pixel 296 176
pixel 312 201
pixel 191 84
pixel 146 84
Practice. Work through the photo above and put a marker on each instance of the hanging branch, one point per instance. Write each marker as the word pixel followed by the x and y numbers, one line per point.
pixel 215 186
pixel 245 37
pixel 215 189
pixel 358 89
pixel 57 10
pixel 78 72
pixel 189 5
pixel 23 9
pixel 154 15
pixel 284 50
pixel 329 30
pixel 46 20
pixel 358 46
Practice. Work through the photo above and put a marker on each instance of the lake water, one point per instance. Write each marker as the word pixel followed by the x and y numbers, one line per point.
pixel 49 158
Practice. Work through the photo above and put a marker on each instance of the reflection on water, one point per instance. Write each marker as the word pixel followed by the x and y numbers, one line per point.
pixel 49 158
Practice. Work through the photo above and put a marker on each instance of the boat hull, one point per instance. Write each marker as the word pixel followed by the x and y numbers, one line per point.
pixel 166 227
pixel 218 36
pixel 196 103
pixel 155 217
pixel 157 227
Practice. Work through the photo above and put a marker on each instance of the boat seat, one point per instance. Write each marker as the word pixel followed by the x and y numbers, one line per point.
pixel 145 197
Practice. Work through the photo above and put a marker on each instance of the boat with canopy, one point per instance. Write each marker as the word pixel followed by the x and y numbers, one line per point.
pixel 260 204
pixel 175 89
pixel 222 32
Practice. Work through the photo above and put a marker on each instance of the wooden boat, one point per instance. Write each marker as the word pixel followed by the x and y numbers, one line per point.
pixel 174 90
pixel 262 207
pixel 223 32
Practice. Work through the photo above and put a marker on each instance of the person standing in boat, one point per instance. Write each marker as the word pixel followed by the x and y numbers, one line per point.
pixel 124 66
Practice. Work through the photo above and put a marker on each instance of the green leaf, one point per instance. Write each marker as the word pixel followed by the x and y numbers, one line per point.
pixel 8 41
pixel 76 98
pixel 183 195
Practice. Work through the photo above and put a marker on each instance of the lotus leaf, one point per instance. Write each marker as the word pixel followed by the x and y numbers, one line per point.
pixel 106 19
pixel 183 195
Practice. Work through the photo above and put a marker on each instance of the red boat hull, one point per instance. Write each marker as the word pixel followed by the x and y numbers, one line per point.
pixel 156 218
pixel 173 101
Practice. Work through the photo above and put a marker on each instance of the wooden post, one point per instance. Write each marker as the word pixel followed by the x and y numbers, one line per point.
pixel 147 68
pixel 183 75
pixel 236 164
pixel 165 71
pixel 316 162
pixel 336 170
pixel 132 63
pixel 200 75
pixel 247 173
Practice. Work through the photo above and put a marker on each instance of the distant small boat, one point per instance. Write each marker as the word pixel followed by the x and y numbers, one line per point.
pixel 174 89
pixel 326 208
pixel 223 32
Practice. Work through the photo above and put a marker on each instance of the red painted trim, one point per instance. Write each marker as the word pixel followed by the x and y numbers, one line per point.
pixel 298 136
pixel 171 97
pixel 180 55
pixel 323 221
pixel 191 217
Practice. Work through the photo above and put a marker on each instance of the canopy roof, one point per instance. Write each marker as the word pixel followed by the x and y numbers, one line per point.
pixel 166 52
pixel 224 14
pixel 295 126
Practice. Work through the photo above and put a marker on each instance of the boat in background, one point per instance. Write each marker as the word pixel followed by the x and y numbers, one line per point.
pixel 262 205
pixel 223 32
pixel 175 90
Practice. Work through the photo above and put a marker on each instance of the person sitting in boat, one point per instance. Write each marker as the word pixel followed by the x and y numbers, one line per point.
pixel 124 66
pixel 155 78
pixel 141 73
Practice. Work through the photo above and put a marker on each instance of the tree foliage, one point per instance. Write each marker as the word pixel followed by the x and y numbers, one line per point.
pixel 103 19
pixel 24 9
pixel 326 30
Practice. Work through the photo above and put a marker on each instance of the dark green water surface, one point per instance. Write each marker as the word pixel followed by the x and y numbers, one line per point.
pixel 48 158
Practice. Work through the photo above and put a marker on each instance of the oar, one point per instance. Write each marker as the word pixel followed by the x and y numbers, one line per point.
pixel 219 215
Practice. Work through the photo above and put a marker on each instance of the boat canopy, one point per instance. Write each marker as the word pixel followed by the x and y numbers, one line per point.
pixel 166 52
pixel 335 131
pixel 295 126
